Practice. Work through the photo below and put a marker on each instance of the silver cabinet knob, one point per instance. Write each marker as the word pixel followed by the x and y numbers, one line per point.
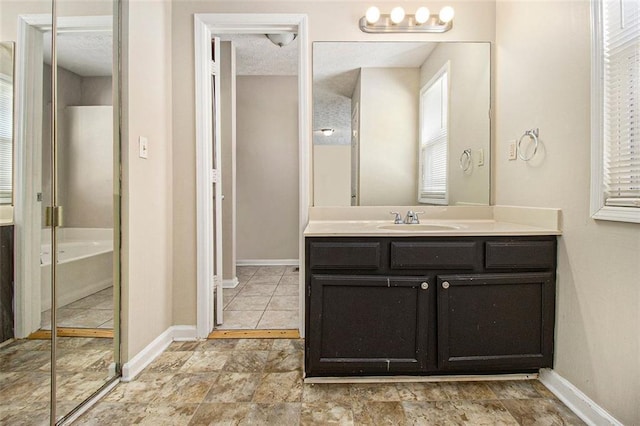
pixel 424 285
pixel 445 285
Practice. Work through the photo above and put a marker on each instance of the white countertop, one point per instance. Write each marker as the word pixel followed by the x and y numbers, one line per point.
pixel 440 222
pixel 451 228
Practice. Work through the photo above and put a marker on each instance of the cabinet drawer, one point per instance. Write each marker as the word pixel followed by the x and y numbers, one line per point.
pixel 344 255
pixel 434 255
pixel 520 254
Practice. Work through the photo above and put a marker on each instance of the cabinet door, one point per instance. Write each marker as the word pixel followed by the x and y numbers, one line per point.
pixel 367 324
pixel 495 322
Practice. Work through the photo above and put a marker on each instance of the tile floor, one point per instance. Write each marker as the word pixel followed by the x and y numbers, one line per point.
pixel 94 311
pixel 260 382
pixel 265 298
pixel 25 376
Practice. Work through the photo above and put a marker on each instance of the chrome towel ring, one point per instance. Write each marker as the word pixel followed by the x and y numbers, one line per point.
pixel 533 135
pixel 465 160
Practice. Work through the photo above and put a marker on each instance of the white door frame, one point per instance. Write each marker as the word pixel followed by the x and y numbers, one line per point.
pixel 205 25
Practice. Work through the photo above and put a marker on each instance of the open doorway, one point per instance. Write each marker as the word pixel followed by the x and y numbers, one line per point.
pixel 260 175
pixel 259 148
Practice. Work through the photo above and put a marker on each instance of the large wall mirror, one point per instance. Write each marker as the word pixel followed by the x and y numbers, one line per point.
pixel 401 123
pixel 63 346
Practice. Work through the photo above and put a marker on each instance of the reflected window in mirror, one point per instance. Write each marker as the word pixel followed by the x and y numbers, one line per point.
pixel 434 139
pixel 6 122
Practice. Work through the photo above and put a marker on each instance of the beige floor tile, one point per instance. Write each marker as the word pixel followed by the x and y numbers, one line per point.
pixel 255 344
pixel 279 320
pixel 287 290
pixel 257 290
pixel 541 412
pixel 290 280
pixel 233 387
pixel 284 361
pixel 270 270
pixel 248 303
pixel 279 387
pixel 421 392
pixel 232 413
pixel 274 414
pixel 241 320
pixel 468 390
pixel 209 361
pixel 338 393
pixel 323 413
pixel 378 413
pixel 246 362
pixel 283 303
pixel 185 388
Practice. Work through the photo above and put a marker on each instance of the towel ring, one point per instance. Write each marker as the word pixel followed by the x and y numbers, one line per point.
pixel 533 135
pixel 465 160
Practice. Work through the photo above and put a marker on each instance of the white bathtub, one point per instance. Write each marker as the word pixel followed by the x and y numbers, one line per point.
pixel 85 264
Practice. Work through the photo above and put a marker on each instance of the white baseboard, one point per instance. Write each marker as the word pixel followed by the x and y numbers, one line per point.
pixel 143 358
pixel 232 283
pixel 584 407
pixel 268 262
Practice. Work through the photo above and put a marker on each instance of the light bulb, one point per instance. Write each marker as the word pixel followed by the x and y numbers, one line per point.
pixel 372 15
pixel 446 14
pixel 422 15
pixel 327 132
pixel 397 15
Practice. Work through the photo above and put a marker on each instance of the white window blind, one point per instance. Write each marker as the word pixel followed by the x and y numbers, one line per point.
pixel 6 145
pixel 434 139
pixel 621 78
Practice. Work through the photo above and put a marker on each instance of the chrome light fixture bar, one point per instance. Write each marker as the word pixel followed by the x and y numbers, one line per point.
pixel 399 22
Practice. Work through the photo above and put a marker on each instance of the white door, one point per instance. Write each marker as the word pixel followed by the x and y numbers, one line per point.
pixel 216 175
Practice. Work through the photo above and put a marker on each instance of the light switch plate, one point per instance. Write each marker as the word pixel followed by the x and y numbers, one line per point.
pixel 480 157
pixel 143 145
pixel 513 150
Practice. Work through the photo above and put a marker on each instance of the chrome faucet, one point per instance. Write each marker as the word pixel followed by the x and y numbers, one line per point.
pixel 398 218
pixel 412 217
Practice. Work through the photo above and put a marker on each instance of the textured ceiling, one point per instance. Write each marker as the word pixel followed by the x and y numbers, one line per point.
pixel 257 55
pixel 86 53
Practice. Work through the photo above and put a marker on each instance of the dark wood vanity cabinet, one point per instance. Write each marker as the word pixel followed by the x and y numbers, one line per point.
pixel 6 283
pixel 429 305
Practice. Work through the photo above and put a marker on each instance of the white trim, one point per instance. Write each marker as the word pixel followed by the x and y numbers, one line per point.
pixel 422 379
pixel 268 262
pixel 584 407
pixel 221 23
pixel 232 283
pixel 146 356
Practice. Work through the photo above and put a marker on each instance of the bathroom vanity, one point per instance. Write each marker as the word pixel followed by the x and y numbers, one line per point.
pixel 451 297
pixel 6 282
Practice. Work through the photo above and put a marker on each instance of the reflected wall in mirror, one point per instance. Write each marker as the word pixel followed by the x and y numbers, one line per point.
pixel 403 135
pixel 7 67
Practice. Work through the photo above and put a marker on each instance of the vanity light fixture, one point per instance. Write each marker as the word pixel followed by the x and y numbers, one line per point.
pixel 399 22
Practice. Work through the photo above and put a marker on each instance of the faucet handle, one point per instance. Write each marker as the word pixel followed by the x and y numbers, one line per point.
pixel 398 218
pixel 416 219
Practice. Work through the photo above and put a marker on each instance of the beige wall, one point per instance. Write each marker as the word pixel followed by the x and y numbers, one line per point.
pixel 267 167
pixel 469 103
pixel 96 91
pixel 227 106
pixel 328 21
pixel 147 211
pixel 388 136
pixel 543 80
pixel 332 175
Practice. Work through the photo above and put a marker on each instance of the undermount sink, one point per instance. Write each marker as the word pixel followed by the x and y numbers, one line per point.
pixel 417 227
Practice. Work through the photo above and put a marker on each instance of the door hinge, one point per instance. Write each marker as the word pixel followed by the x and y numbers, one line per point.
pixel 214 176
pixel 53 216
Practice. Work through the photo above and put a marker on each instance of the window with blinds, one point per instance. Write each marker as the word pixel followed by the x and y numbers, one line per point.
pixel 434 139
pixel 615 107
pixel 6 139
